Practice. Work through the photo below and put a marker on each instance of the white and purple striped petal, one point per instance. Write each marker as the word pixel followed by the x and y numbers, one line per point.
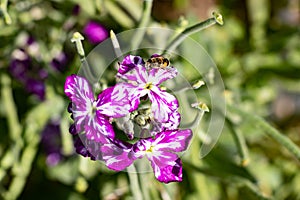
pixel 158 75
pixel 167 172
pixel 78 90
pixel 173 122
pixel 140 83
pixel 129 93
pixel 117 154
pixel 173 140
pixel 98 128
pixel 114 102
pixel 129 63
pixel 163 104
pixel 138 75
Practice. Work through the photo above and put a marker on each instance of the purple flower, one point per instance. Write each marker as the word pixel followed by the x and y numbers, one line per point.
pixel 60 62
pixel 36 87
pixel 95 32
pixel 92 115
pixel 51 143
pixel 19 65
pixel 142 83
pixel 76 10
pixel 160 151
pixel 25 70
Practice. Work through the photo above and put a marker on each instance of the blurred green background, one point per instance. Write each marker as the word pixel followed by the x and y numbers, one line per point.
pixel 257 52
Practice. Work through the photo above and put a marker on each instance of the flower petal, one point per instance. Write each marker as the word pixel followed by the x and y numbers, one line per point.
pixel 98 128
pixel 167 167
pixel 95 125
pixel 159 75
pixel 122 95
pixel 173 122
pixel 130 62
pixel 78 90
pixel 117 154
pixel 173 140
pixel 114 102
pixel 140 147
pixel 87 148
pixel 163 104
pixel 138 75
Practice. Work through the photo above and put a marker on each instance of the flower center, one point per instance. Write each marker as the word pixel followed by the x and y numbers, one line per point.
pixel 148 86
pixel 93 108
pixel 150 150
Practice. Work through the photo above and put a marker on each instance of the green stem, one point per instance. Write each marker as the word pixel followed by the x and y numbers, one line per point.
pixel 271 131
pixel 198 179
pixel 15 128
pixel 99 5
pixel 67 141
pixel 3 9
pixel 240 142
pixel 35 122
pixel 139 33
pixel 253 189
pixel 87 71
pixel 193 29
pixel 145 188
pixel 23 167
pixel 134 183
pixel 195 122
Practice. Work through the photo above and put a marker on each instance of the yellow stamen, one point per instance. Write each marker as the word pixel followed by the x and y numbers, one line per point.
pixel 150 150
pixel 148 86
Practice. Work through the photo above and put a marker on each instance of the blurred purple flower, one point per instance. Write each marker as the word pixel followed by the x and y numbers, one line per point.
pixel 51 143
pixel 60 62
pixel 36 87
pixel 95 32
pixel 76 10
pixel 19 65
pixel 29 73
pixel 30 41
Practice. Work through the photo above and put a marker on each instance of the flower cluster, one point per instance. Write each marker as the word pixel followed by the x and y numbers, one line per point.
pixel 140 108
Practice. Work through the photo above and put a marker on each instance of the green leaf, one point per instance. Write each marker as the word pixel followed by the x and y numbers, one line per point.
pixel 118 14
